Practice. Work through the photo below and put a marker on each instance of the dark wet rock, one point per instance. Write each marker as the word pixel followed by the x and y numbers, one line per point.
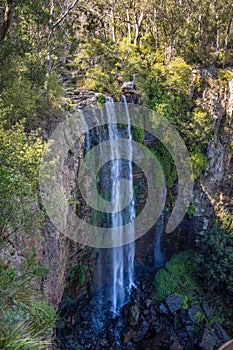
pixel 134 315
pixel 163 309
pixel 157 342
pixel 206 309
pixel 209 340
pixel 127 336
pixel 183 334
pixel 184 316
pixel 174 302
pixel 176 346
pixel 221 333
pixel 140 333
pixel 195 312
pixel 148 302
pixel 191 332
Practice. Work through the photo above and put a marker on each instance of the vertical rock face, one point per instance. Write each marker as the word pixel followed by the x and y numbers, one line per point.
pixel 217 99
pixel 52 248
pixel 59 252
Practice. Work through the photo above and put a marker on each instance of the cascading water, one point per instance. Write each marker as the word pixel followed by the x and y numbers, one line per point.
pixel 122 268
pixel 159 258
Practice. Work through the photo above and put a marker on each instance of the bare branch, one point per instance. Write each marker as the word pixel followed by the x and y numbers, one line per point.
pixel 65 14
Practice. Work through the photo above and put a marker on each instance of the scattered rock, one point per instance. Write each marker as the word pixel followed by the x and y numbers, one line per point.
pixel 163 309
pixel 221 333
pixel 184 316
pixel 174 302
pixel 209 340
pixel 138 335
pixel 134 315
pixel 128 85
pixel 176 346
pixel 194 312
pixel 127 336
pixel 206 309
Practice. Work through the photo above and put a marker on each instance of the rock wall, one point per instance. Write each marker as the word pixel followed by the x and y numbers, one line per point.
pixel 217 98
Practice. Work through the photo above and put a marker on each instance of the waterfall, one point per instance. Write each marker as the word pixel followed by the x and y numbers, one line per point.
pixel 118 262
pixel 158 254
pixel 122 257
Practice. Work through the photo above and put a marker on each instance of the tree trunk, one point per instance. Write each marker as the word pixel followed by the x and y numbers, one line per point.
pixel 113 26
pixel 138 27
pixel 50 39
pixel 217 31
pixel 171 46
pixel 6 23
pixel 129 27
pixel 228 31
pixel 155 28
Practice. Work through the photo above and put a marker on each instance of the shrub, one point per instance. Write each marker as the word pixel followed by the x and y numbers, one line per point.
pixel 176 276
pixel 214 262
pixel 25 319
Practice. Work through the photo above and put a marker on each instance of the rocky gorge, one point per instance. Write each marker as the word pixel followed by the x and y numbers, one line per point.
pixel 144 323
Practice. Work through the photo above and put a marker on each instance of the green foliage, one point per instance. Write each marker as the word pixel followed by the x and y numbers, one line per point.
pixel 224 76
pixel 199 163
pixel 25 320
pixel 23 337
pixel 167 163
pixel 13 285
pixel 191 209
pixel 199 317
pixel 100 100
pixel 137 133
pixel 79 273
pixel 20 155
pixel 54 89
pixel 227 222
pixel 214 262
pixel 176 276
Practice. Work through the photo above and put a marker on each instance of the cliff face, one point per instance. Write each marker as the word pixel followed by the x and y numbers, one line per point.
pixel 217 182
pixel 212 195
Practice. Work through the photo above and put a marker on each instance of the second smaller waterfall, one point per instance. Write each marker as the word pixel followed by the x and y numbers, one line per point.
pixel 159 258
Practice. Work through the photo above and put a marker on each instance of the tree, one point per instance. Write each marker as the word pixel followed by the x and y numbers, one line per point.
pixel 7 19
pixel 214 261
pixel 19 160
pixel 228 30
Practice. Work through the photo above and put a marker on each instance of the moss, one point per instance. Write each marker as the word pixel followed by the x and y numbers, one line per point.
pixel 167 163
pixel 177 276
pixel 138 134
pixel 80 272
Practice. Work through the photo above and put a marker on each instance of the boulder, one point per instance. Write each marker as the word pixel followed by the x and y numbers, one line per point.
pixel 206 309
pixel 140 333
pixel 194 312
pixel 163 309
pixel 209 340
pixel 128 85
pixel 221 333
pixel 174 302
pixel 176 346
pixel 134 315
